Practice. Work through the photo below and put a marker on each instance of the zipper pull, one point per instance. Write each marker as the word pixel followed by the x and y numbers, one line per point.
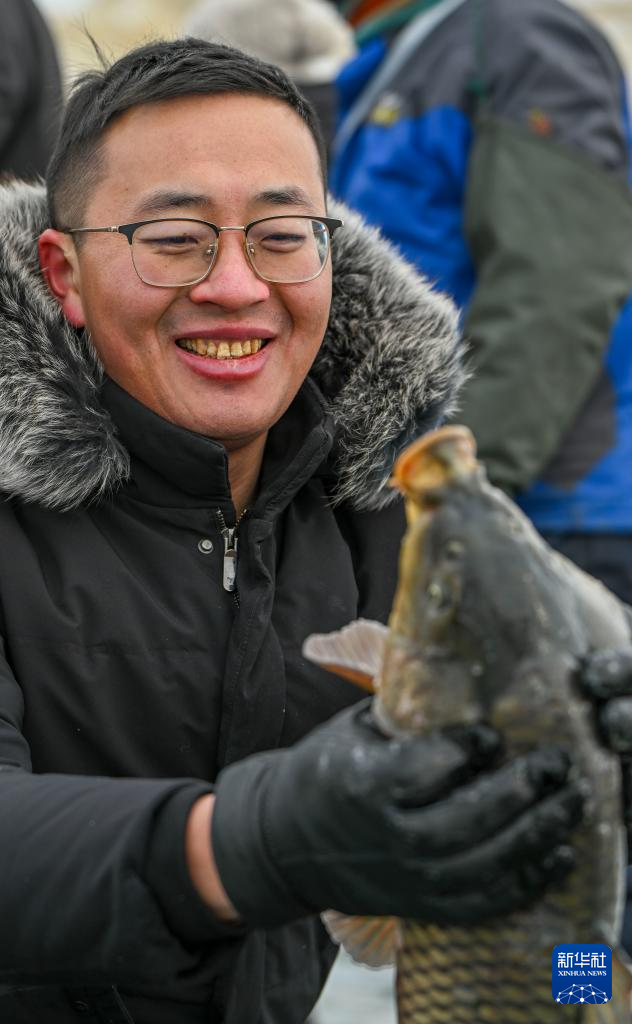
pixel 230 558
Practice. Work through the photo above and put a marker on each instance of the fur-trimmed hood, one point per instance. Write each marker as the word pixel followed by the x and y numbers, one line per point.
pixel 389 367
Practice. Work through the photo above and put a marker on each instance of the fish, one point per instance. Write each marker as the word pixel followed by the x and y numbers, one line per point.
pixel 489 624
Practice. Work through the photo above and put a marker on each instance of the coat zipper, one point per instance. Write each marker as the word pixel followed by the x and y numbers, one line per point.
pixel 229 564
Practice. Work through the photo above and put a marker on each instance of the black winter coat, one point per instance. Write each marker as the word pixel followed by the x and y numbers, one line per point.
pixel 130 676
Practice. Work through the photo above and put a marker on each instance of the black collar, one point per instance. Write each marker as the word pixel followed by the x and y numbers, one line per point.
pixel 175 467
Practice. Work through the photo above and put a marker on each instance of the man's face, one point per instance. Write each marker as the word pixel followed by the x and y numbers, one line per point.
pixel 226 159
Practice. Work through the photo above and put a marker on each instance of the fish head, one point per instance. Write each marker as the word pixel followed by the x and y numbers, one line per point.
pixel 477 596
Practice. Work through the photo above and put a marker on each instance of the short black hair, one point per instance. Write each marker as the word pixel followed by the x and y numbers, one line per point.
pixel 160 70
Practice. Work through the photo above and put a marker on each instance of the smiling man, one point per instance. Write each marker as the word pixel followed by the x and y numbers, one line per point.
pixel 230 160
pixel 199 413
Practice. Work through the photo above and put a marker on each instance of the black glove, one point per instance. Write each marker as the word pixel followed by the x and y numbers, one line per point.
pixel 606 677
pixel 349 820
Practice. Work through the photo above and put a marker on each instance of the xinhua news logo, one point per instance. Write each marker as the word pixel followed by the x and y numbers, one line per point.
pixel 582 973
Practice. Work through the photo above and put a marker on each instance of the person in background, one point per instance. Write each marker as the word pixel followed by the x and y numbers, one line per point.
pixel 490 140
pixel 30 90
pixel 307 38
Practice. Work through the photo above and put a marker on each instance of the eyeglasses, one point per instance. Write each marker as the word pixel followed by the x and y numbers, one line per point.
pixel 171 253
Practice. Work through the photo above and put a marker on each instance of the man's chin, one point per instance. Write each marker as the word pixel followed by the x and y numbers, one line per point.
pixel 233 435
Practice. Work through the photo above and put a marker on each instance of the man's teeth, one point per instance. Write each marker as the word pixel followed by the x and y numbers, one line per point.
pixel 221 349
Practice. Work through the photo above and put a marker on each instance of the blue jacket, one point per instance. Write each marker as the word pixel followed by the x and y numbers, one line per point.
pixel 490 140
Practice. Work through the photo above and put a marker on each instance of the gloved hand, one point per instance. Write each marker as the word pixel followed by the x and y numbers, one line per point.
pixel 352 821
pixel 606 677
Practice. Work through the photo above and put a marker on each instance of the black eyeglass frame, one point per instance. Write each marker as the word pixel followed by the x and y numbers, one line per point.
pixel 331 223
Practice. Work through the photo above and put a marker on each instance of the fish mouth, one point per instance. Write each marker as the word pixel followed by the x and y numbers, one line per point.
pixel 222 348
pixel 436 458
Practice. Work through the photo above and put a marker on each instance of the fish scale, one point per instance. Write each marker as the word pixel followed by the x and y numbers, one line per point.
pixel 454 976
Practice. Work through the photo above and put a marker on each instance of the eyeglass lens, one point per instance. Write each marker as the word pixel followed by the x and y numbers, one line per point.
pixel 281 249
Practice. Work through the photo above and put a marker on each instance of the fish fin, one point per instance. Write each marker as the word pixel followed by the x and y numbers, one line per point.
pixel 619 1009
pixel 354 652
pixel 352 676
pixel 373 941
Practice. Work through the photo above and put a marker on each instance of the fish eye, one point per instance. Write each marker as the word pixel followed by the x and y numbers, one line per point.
pixel 454 549
pixel 439 595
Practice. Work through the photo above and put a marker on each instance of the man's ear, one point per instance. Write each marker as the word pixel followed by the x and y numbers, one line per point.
pixel 59 265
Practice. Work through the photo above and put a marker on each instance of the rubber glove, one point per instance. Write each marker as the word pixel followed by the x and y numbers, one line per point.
pixel 350 820
pixel 606 676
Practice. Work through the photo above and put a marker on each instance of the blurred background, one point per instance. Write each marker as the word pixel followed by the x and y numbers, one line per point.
pixel 117 24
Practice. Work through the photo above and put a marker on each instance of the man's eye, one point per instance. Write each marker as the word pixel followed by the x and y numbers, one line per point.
pixel 173 242
pixel 281 242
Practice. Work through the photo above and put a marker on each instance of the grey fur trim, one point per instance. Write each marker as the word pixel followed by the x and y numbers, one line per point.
pixel 389 367
pixel 390 362
pixel 57 445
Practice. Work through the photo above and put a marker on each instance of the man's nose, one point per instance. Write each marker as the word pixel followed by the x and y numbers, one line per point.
pixel 232 283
